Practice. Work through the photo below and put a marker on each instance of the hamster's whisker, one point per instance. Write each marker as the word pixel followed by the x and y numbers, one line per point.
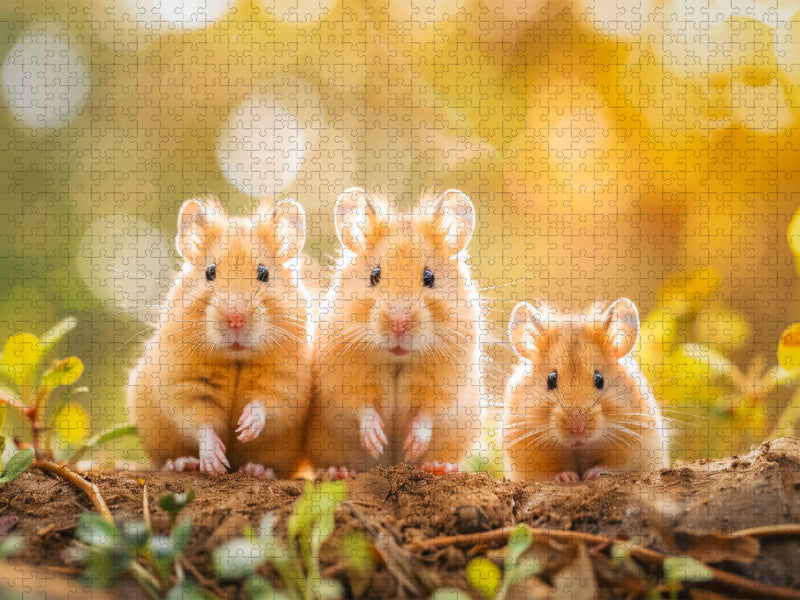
pixel 137 275
pixel 627 431
pixel 516 281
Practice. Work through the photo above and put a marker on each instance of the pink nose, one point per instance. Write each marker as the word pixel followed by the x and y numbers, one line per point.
pixel 399 325
pixel 577 423
pixel 235 321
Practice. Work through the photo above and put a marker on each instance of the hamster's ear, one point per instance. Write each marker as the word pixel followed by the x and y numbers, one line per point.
pixel 353 216
pixel 195 229
pixel 454 220
pixel 282 227
pixel 619 328
pixel 526 327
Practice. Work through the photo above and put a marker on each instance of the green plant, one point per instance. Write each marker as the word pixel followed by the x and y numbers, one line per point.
pixel 27 383
pixel 678 569
pixel 486 577
pixel 113 549
pixel 296 560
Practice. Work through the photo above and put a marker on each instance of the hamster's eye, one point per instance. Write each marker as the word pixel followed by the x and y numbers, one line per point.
pixel 375 276
pixel 552 380
pixel 598 380
pixel 211 272
pixel 427 278
pixel 263 273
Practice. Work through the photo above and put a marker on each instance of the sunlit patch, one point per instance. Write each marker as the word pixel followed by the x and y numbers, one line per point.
pixel 624 19
pixel 45 79
pixel 125 262
pixel 761 108
pixel 189 14
pixel 298 11
pixel 262 146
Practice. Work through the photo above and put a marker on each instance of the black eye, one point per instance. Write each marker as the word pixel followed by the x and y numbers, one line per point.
pixel 263 273
pixel 598 380
pixel 211 273
pixel 552 381
pixel 375 276
pixel 427 278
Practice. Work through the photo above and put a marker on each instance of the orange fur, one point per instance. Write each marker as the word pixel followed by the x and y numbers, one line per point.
pixel 190 377
pixel 439 379
pixel 624 429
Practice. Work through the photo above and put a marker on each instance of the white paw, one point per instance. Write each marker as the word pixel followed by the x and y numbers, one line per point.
pixel 257 470
pixel 373 437
pixel 418 438
pixel 184 463
pixel 212 452
pixel 252 421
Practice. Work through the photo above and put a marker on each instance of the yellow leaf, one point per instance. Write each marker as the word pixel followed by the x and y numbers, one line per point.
pixel 64 372
pixel 793 237
pixel 484 576
pixel 789 348
pixel 21 354
pixel 72 423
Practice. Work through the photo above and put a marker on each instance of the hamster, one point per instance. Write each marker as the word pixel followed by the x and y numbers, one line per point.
pixel 577 406
pixel 225 381
pixel 398 342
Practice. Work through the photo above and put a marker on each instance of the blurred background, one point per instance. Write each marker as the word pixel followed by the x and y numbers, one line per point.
pixel 647 149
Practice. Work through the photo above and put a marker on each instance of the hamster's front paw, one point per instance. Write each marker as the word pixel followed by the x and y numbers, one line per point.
pixel 418 438
pixel 568 477
pixel 439 468
pixel 212 452
pixel 183 463
pixel 373 437
pixel 335 473
pixel 252 421
pixel 597 471
pixel 257 470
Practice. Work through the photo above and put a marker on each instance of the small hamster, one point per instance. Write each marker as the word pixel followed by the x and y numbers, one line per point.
pixel 578 406
pixel 225 381
pixel 398 342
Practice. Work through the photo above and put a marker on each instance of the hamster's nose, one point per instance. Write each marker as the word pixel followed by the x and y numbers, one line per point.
pixel 577 422
pixel 399 320
pixel 235 321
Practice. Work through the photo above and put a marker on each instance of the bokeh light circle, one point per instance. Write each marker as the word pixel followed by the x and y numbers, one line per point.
pixel 45 79
pixel 188 14
pixel 262 146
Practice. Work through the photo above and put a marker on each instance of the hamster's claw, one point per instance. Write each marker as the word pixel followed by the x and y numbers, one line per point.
pixel 437 468
pixel 335 473
pixel 373 437
pixel 419 436
pixel 257 470
pixel 183 463
pixel 212 452
pixel 597 471
pixel 252 421
pixel 568 478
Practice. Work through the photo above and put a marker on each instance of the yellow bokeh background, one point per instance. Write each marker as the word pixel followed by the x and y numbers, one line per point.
pixel 608 147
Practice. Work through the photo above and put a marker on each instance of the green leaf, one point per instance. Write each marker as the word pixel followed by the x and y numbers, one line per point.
pixel 17 465
pixel 519 541
pixel 789 348
pixel 238 558
pixel 175 503
pixel 685 568
pixel 3 412
pixel 356 551
pixel 64 372
pixel 10 544
pixel 527 567
pixel 58 331
pixel 327 589
pixel 135 534
pixel 484 576
pixel 94 530
pixel 20 357
pixel 181 533
pixel 188 590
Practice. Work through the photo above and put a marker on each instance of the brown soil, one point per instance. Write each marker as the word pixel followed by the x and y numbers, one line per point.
pixel 670 512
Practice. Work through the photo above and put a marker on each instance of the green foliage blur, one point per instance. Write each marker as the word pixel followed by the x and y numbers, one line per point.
pixel 609 152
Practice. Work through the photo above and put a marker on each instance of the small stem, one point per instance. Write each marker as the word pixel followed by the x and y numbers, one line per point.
pixel 87 487
pixel 146 580
pixel 788 529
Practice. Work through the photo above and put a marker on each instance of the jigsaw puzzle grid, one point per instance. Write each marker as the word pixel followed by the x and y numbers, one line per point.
pixel 636 149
